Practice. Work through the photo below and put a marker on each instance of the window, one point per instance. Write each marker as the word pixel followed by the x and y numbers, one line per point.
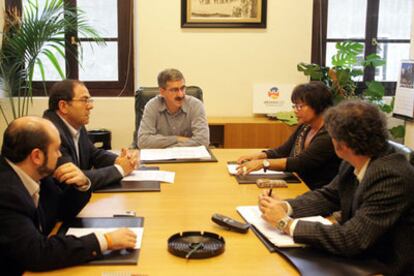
pixel 106 70
pixel 383 26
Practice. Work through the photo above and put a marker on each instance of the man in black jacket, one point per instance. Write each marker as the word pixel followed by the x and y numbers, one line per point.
pixel 31 202
pixel 373 190
pixel 69 108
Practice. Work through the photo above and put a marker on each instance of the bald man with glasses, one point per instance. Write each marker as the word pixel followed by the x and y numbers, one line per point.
pixel 173 119
pixel 70 105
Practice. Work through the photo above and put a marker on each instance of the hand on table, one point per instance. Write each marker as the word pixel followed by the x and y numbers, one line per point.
pixel 128 160
pixel 250 166
pixel 120 239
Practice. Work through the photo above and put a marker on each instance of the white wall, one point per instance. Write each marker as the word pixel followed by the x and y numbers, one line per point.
pixel 409 127
pixel 224 62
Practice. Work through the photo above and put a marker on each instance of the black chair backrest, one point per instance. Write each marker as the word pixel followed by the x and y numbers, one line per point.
pixel 144 94
pixel 409 153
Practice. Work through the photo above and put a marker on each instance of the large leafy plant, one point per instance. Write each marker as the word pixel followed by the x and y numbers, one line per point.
pixel 347 68
pixel 29 39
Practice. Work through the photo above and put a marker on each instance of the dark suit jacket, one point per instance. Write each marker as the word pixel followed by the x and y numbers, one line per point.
pixel 23 246
pixel 377 214
pixel 97 164
pixel 317 165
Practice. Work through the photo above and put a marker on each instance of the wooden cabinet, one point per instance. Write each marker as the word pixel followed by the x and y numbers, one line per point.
pixel 248 132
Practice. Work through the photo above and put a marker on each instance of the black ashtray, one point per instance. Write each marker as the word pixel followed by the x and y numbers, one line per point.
pixel 196 245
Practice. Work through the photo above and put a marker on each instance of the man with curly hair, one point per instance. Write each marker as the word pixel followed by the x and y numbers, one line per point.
pixel 373 190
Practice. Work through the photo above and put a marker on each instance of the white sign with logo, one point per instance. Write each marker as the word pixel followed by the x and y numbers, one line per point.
pixel 272 98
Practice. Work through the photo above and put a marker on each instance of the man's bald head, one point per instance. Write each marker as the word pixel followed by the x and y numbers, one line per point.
pixel 25 134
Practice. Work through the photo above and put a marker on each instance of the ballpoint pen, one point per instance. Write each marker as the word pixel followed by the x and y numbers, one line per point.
pixel 270 192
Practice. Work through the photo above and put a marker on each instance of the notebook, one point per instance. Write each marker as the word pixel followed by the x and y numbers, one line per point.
pixel 252 215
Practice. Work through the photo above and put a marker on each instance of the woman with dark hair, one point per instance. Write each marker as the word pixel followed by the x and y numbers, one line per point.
pixel 309 150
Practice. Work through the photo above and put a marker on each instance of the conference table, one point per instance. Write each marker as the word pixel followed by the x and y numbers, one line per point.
pixel 199 191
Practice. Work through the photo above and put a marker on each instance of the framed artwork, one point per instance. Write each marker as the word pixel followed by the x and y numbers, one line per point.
pixel 223 13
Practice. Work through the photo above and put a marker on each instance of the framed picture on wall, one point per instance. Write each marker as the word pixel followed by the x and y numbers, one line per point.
pixel 223 13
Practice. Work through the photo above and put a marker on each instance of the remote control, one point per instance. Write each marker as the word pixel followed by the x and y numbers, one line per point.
pixel 230 223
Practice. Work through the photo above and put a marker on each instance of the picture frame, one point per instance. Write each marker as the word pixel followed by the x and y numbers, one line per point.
pixel 223 13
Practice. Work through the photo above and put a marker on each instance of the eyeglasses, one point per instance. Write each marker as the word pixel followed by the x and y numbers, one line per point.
pixel 177 89
pixel 298 107
pixel 84 100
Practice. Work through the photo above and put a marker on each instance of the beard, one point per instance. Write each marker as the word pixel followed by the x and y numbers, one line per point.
pixel 44 170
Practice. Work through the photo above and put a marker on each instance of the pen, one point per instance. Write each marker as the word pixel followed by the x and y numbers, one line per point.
pixel 270 192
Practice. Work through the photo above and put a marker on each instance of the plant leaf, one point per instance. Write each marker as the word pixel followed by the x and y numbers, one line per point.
pixel 398 131
pixel 373 60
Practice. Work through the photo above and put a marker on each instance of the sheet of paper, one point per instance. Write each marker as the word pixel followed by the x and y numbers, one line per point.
pixel 150 175
pixel 404 94
pixel 175 153
pixel 404 102
pixel 79 232
pixel 233 170
pixel 252 215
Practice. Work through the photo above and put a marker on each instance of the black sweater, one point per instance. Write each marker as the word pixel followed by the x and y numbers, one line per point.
pixel 317 165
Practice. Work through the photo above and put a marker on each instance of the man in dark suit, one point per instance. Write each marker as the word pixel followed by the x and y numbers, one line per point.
pixel 373 190
pixel 69 107
pixel 31 202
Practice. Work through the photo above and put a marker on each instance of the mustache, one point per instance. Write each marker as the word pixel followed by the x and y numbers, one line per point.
pixel 179 98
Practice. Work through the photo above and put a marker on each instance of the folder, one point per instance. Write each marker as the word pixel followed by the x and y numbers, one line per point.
pixel 186 160
pixel 290 178
pixel 129 256
pixel 132 186
pixel 312 261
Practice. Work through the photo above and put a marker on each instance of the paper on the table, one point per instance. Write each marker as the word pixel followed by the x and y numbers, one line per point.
pixel 79 232
pixel 233 170
pixel 175 153
pixel 150 175
pixel 253 216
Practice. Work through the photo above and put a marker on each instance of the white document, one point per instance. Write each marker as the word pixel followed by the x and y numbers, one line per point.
pixel 404 94
pixel 233 170
pixel 175 153
pixel 253 215
pixel 150 175
pixel 80 232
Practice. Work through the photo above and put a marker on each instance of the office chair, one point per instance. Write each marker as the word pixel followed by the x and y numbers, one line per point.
pixel 144 94
pixel 409 153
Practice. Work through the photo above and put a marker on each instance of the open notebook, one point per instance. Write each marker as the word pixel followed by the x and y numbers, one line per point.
pixel 252 215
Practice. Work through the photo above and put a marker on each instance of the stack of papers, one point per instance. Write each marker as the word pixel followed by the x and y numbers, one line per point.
pixel 232 167
pixel 253 216
pixel 175 153
pixel 150 175
pixel 79 232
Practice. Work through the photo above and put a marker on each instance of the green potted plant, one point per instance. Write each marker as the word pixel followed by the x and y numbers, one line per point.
pixel 348 65
pixel 29 38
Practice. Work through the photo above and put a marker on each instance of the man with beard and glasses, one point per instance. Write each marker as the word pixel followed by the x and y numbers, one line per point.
pixel 173 119
pixel 31 202
pixel 70 105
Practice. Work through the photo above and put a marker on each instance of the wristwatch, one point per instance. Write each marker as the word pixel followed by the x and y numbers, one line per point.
pixel 282 224
pixel 266 165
